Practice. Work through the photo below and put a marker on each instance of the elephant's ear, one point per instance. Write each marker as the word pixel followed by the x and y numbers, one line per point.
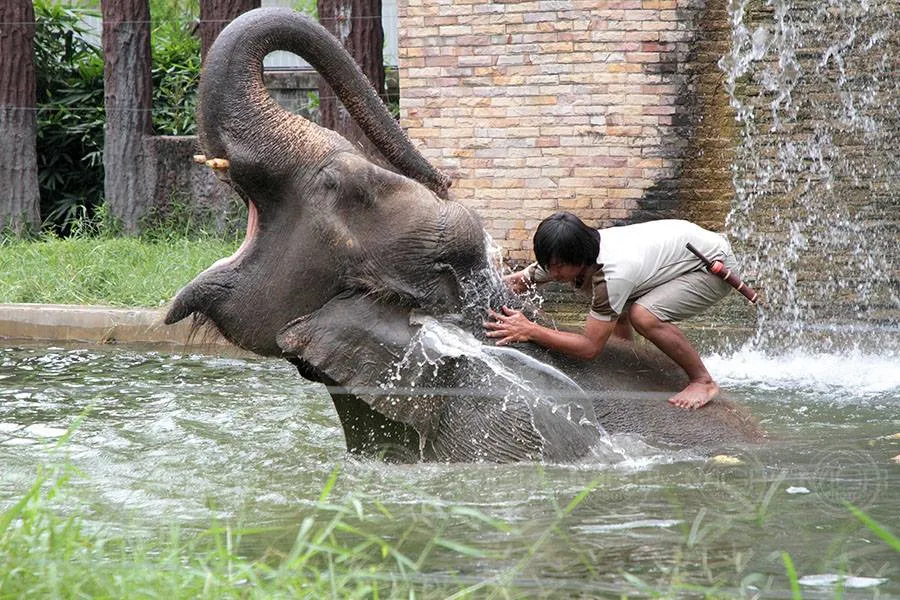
pixel 357 342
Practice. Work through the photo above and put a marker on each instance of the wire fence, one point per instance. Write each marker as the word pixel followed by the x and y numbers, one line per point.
pixel 93 25
pixel 301 99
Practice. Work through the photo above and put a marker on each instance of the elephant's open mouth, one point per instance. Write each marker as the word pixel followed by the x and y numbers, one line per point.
pixel 249 236
pixel 194 297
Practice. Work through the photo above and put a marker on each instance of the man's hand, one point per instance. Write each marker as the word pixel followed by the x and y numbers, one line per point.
pixel 512 326
pixel 518 282
pixel 509 327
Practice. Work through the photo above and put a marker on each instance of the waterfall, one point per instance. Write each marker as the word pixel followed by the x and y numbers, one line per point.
pixel 815 87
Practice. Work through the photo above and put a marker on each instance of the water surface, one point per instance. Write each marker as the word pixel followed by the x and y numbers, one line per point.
pixel 187 438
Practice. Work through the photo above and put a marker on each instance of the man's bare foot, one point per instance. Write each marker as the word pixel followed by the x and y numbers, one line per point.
pixel 695 395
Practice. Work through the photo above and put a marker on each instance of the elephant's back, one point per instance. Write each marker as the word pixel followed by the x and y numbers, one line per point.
pixel 721 423
pixel 630 384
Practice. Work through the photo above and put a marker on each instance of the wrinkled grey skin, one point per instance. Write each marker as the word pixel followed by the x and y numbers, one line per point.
pixel 345 260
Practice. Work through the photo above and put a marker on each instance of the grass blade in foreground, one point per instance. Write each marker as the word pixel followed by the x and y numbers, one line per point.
pixel 875 527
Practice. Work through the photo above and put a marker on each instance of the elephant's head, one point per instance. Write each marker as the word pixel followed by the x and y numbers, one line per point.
pixel 324 222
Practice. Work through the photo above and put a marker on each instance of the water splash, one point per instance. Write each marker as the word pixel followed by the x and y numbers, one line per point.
pixel 815 92
pixel 485 288
pixel 520 375
pixel 499 392
pixel 850 376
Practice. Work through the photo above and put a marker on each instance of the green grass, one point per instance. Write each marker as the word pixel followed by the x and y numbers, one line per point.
pixel 350 548
pixel 50 556
pixel 104 271
pixel 889 538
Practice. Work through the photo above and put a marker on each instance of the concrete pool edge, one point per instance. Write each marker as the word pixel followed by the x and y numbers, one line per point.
pixel 97 325
pixel 92 324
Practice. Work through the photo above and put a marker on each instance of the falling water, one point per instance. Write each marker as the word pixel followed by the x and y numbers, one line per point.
pixel 519 374
pixel 446 366
pixel 815 88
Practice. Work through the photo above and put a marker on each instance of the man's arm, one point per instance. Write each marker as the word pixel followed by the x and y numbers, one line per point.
pixel 518 282
pixel 512 326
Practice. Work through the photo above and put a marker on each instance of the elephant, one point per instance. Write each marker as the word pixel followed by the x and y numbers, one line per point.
pixel 369 278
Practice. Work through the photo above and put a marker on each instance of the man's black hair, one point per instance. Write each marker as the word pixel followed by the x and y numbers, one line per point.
pixel 564 238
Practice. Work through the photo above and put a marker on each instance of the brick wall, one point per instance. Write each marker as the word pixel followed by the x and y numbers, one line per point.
pixel 619 111
pixel 592 107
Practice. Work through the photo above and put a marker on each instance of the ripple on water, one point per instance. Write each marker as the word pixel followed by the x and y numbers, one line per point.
pixel 626 525
pixel 16 434
pixel 187 440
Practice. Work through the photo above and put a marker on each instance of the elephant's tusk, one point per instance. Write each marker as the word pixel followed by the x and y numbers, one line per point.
pixel 219 164
pixel 200 159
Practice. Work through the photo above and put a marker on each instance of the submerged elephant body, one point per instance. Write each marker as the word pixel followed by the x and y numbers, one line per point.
pixel 354 273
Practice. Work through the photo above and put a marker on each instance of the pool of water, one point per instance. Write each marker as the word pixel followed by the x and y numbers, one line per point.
pixel 187 439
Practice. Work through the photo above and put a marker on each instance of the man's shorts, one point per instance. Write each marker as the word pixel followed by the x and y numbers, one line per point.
pixel 687 295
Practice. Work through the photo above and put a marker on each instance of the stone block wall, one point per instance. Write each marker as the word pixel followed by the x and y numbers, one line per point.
pixel 817 167
pixel 180 189
pixel 593 107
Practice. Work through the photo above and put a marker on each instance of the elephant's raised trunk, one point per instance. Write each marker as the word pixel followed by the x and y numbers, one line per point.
pixel 238 117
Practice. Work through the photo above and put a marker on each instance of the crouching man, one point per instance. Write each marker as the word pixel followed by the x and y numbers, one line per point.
pixel 641 276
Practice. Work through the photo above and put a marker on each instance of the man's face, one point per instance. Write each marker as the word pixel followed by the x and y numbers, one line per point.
pixel 565 273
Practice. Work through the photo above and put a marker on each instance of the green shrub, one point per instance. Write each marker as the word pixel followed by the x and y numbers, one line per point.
pixel 69 73
pixel 69 70
pixel 176 68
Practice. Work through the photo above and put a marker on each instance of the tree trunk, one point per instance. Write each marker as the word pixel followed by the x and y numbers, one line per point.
pixel 357 24
pixel 127 99
pixel 215 15
pixel 19 192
